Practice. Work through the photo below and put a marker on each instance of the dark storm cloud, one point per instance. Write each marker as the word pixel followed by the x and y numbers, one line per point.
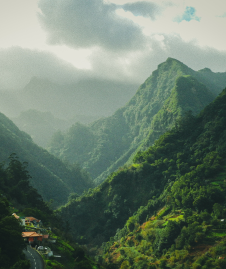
pixel 88 23
pixel 145 9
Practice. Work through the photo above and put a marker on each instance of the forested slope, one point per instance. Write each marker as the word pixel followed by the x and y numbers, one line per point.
pixel 10 231
pixel 17 193
pixel 167 94
pixel 183 173
pixel 18 197
pixel 185 226
pixel 50 176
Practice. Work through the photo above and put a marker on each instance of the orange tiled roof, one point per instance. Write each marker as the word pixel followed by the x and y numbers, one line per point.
pixel 30 234
pixel 31 219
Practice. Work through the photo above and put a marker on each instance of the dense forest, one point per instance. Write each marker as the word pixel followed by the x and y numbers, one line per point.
pixel 17 195
pixel 16 192
pixel 105 145
pixel 167 209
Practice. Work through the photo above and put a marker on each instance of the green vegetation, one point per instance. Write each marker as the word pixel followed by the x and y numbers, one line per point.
pixel 53 179
pixel 109 143
pixel 26 201
pixel 11 243
pixel 193 226
pixel 70 255
pixel 15 186
pixel 163 211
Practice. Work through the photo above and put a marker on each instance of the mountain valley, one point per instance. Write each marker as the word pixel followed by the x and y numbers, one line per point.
pixel 51 177
pixel 143 188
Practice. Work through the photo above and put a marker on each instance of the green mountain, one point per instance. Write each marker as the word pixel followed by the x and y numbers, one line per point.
pixel 51 177
pixel 185 226
pixel 109 143
pixel 167 209
pixel 17 193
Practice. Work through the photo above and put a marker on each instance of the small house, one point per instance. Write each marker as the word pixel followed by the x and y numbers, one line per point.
pixel 32 237
pixel 33 222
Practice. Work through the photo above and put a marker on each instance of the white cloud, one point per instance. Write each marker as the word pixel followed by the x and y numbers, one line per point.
pixel 88 23
pixel 136 66
pixel 116 39
pixel 205 26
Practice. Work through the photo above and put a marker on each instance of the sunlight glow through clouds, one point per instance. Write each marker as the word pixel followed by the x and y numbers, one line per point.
pixel 78 58
pixel 19 26
pixel 116 39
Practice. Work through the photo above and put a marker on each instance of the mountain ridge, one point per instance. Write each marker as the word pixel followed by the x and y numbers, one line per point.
pixel 47 172
pixel 182 175
pixel 123 133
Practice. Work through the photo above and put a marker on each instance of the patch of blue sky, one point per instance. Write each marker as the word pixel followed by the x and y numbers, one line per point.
pixel 188 15
pixel 223 16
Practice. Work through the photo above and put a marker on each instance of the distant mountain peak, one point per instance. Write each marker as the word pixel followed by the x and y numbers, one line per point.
pixel 36 82
pixel 36 79
pixel 206 70
pixel 170 59
pixel 172 63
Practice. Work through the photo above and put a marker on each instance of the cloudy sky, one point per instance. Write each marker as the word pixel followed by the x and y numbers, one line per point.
pixel 124 40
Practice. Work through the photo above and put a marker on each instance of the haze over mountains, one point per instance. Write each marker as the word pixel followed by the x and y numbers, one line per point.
pixel 83 101
pixel 171 90
pixel 113 132
pixel 108 143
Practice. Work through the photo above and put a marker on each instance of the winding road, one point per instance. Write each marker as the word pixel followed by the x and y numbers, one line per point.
pixel 35 259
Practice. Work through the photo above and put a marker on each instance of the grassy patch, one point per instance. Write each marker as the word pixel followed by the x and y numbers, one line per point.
pixel 165 223
pixel 177 218
pixel 214 183
pixel 222 234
